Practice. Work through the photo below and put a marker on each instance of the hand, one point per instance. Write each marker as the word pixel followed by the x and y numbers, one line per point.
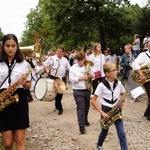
pixel 90 76
pixel 84 77
pixel 22 80
pixel 142 78
pixel 105 115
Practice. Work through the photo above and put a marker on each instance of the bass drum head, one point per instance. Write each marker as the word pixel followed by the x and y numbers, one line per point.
pixel 44 89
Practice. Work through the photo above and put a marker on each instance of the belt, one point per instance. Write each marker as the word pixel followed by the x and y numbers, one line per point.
pixel 53 77
pixel 81 90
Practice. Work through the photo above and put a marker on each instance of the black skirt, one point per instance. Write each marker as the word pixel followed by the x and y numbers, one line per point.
pixel 16 115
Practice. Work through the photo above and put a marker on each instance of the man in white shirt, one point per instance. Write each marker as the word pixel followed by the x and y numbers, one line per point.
pixel 145 41
pixel 142 58
pixel 136 46
pixel 58 66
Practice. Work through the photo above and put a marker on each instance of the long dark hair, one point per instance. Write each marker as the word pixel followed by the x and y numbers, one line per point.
pixel 18 56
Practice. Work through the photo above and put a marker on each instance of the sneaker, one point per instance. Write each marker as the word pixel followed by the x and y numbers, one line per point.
pixel 82 129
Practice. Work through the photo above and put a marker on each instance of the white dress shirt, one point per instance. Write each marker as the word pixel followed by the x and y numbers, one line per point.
pixel 18 70
pixel 103 91
pixel 141 59
pixel 58 66
pixel 74 73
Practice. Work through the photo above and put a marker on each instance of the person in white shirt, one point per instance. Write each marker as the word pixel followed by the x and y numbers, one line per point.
pixel 14 119
pixel 136 46
pixel 142 58
pixel 109 96
pixel 58 66
pixel 98 60
pixel 81 92
pixel 145 42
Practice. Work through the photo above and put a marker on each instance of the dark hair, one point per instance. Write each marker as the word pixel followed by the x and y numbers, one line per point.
pixel 18 56
pixel 62 48
pixel 80 55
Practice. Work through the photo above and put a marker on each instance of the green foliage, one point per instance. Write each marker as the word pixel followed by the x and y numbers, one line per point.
pixel 76 23
pixel 1 34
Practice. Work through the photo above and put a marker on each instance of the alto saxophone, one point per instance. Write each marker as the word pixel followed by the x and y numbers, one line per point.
pixel 6 97
pixel 114 114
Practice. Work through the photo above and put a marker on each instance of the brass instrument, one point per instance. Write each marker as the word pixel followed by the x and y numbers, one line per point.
pixel 6 97
pixel 114 114
pixel 34 50
pixel 51 69
pixel 88 82
pixel 146 71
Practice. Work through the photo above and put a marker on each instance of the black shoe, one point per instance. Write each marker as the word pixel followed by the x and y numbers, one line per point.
pixel 60 112
pixel 82 129
pixel 30 99
pixel 87 123
pixel 147 116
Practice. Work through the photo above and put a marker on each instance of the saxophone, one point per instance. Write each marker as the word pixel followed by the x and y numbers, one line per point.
pixel 88 82
pixel 6 97
pixel 114 114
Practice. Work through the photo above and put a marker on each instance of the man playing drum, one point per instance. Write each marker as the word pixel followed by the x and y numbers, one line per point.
pixel 57 65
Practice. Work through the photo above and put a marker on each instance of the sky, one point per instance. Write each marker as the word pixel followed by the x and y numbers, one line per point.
pixel 13 14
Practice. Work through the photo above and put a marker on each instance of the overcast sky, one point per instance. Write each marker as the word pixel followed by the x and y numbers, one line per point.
pixel 13 14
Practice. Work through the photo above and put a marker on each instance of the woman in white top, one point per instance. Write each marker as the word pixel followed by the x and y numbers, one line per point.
pixel 14 119
pixel 98 60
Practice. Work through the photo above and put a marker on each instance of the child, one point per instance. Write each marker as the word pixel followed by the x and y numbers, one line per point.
pixel 78 76
pixel 109 97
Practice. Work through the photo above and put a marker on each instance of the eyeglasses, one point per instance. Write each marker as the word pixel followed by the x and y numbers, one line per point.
pixel 115 70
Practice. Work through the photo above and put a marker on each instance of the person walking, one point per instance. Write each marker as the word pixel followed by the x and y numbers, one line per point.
pixel 98 60
pixel 58 66
pixel 79 74
pixel 109 92
pixel 143 58
pixel 14 119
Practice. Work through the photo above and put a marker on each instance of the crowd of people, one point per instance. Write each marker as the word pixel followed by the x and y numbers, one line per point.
pixel 92 72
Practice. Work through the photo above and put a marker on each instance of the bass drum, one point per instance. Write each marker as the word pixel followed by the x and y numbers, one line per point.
pixel 44 89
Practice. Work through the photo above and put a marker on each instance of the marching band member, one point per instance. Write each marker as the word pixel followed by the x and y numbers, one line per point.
pixel 142 58
pixel 98 60
pixel 125 63
pixel 58 66
pixel 78 76
pixel 109 91
pixel 14 119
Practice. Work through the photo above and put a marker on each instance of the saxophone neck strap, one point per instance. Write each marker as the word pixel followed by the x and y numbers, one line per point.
pixel 10 70
pixel 147 54
pixel 106 83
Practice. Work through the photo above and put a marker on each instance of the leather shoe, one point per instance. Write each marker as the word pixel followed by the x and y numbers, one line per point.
pixel 60 112
pixel 30 99
pixel 87 123
pixel 82 129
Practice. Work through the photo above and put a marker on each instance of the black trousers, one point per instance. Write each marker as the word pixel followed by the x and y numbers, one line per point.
pixel 58 98
pixel 147 89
